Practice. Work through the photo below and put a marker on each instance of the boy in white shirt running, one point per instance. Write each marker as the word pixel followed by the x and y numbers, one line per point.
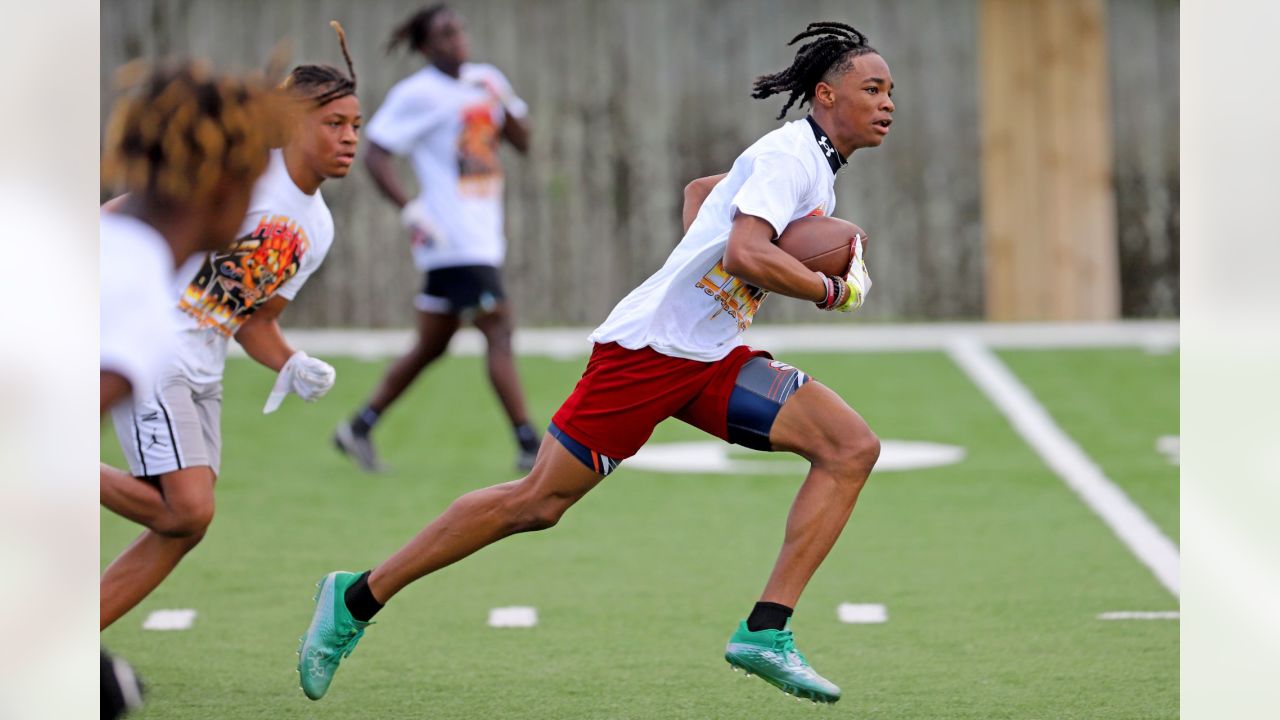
pixel 171 434
pixel 674 348
pixel 448 118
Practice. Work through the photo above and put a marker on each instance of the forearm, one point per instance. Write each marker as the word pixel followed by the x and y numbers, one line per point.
pixel 516 131
pixel 774 270
pixel 263 340
pixel 378 161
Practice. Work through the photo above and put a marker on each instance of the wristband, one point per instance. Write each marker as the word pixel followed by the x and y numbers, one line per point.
pixel 837 292
pixel 826 302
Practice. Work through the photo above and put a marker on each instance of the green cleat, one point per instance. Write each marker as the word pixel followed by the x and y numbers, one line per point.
pixel 332 636
pixel 772 655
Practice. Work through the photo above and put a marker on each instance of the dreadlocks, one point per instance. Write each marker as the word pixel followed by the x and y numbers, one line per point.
pixel 829 54
pixel 178 131
pixel 322 84
pixel 413 31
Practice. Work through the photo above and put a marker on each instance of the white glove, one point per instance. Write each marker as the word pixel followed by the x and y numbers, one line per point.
pixel 847 294
pixel 304 376
pixel 415 218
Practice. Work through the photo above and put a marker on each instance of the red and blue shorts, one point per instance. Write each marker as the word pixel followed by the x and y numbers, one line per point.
pixel 624 394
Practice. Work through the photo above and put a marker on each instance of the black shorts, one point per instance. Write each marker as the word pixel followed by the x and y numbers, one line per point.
pixel 452 290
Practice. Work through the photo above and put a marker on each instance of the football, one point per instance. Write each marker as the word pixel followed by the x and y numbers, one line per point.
pixel 822 243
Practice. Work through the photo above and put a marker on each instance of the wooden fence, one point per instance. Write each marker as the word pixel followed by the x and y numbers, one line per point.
pixel 631 99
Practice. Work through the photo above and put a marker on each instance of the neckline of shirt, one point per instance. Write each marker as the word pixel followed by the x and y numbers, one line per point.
pixel 433 70
pixel 279 165
pixel 828 149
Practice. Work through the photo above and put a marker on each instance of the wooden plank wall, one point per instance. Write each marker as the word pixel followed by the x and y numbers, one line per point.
pixel 630 100
pixel 1144 98
pixel 1048 199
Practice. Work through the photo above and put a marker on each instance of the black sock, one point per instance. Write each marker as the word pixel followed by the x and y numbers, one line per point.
pixel 362 604
pixel 527 437
pixel 364 421
pixel 768 616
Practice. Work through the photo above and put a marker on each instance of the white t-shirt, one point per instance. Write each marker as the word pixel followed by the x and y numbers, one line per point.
pixel 136 327
pixel 283 239
pixel 450 128
pixel 691 308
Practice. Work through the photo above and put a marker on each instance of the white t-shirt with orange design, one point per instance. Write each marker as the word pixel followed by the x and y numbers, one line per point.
pixel 450 128
pixel 284 238
pixel 691 308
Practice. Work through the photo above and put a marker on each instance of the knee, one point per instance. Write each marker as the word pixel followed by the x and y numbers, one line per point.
pixel 851 456
pixel 498 341
pixel 531 511
pixel 190 525
pixel 539 515
pixel 423 353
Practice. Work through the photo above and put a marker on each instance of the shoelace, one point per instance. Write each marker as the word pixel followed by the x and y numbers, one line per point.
pixel 785 642
pixel 349 646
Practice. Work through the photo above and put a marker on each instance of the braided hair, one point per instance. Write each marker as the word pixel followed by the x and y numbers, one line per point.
pixel 178 131
pixel 413 32
pixel 830 53
pixel 322 84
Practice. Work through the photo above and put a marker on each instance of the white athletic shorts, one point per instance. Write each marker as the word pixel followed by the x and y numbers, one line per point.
pixel 178 426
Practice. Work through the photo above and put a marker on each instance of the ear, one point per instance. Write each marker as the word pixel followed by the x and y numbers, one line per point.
pixel 824 94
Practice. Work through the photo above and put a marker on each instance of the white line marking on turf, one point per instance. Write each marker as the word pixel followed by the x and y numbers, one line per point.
pixel 169 620
pixel 1131 615
pixel 714 457
pixel 862 613
pixel 1171 447
pixel 1064 457
pixel 567 343
pixel 517 616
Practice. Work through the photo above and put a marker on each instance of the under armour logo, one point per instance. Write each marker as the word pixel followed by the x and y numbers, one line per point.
pixel 826 146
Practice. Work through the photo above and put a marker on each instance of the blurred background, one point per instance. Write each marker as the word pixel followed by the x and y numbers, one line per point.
pixel 1032 172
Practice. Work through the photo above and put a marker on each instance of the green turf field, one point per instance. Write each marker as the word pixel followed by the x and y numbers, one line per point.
pixel 992 571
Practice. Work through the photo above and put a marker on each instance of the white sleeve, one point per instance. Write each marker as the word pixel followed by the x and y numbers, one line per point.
pixel 310 262
pixel 404 117
pixel 137 329
pixel 775 190
pixel 515 105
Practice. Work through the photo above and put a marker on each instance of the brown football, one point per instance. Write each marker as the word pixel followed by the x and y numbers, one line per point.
pixel 822 243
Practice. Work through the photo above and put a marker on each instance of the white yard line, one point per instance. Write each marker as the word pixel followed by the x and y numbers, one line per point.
pixel 515 616
pixel 170 620
pixel 1158 335
pixel 862 613
pixel 1064 457
pixel 1141 615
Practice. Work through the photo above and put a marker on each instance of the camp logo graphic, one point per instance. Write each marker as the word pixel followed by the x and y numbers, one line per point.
pixel 479 169
pixel 740 299
pixel 232 283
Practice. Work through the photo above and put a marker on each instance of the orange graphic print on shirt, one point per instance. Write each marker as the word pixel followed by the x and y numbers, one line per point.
pixel 232 283
pixel 741 300
pixel 736 297
pixel 479 169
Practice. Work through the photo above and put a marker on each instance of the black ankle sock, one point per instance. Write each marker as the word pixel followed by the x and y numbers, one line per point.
pixel 768 616
pixel 362 604
pixel 527 437
pixel 363 421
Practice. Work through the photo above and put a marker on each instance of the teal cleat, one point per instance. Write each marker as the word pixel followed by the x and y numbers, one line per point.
pixel 772 655
pixel 332 636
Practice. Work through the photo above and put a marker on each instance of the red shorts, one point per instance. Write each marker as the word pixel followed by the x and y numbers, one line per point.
pixel 624 394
